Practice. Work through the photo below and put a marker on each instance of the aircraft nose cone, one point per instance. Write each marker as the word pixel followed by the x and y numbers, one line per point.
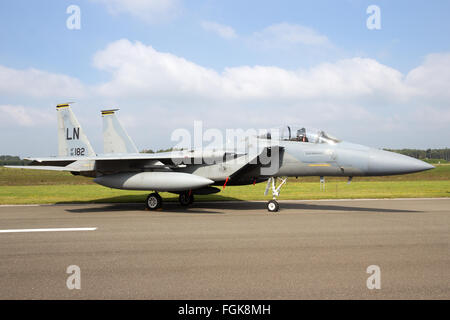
pixel 388 163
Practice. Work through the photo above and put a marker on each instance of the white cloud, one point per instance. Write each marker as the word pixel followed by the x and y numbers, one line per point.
pixel 359 92
pixel 432 78
pixel 276 36
pixel 224 31
pixel 158 92
pixel 38 84
pixel 13 115
pixel 151 11
pixel 286 34
pixel 141 70
pixel 138 69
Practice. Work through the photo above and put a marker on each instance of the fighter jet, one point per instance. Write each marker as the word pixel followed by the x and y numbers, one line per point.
pixel 271 157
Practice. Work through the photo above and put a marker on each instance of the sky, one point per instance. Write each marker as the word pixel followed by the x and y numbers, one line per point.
pixel 230 64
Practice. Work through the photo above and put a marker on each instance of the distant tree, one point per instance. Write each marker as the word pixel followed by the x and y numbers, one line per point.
pixel 7 160
pixel 438 154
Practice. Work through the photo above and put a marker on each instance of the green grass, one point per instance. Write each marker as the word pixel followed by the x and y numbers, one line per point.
pixel 307 190
pixel 23 177
pixel 436 161
pixel 37 187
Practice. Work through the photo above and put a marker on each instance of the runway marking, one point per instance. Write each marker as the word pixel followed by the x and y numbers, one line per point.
pixel 47 230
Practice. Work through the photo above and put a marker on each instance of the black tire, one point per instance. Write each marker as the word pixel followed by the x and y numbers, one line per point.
pixel 186 199
pixel 154 201
pixel 273 206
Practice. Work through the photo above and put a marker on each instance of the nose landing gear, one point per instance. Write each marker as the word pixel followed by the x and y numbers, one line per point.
pixel 272 205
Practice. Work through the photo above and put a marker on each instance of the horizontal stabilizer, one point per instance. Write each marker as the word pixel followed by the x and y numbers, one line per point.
pixel 75 166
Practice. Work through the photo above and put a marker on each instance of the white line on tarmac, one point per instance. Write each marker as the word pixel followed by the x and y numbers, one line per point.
pixel 47 230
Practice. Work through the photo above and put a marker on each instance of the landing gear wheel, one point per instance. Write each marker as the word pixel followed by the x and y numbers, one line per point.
pixel 273 206
pixel 186 199
pixel 154 201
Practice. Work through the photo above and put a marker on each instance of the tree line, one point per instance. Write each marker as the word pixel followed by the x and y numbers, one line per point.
pixel 435 154
pixel 6 160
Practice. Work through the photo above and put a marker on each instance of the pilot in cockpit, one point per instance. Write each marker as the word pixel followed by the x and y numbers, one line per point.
pixel 301 135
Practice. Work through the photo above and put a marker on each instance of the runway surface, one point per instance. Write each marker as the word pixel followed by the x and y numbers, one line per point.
pixel 228 250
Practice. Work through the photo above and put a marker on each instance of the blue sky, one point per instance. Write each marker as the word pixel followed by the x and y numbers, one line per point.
pixel 242 64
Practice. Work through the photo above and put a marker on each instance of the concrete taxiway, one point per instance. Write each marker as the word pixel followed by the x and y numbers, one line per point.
pixel 227 250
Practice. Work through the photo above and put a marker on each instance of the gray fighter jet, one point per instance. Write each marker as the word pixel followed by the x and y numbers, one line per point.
pixel 271 157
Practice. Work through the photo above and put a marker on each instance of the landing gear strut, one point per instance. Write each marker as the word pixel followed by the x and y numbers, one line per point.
pixel 154 201
pixel 273 205
pixel 186 198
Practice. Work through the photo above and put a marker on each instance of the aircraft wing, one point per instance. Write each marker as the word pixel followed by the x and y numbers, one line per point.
pixel 236 164
pixel 147 160
pixel 163 156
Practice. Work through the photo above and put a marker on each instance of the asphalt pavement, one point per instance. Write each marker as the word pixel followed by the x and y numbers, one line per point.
pixel 227 250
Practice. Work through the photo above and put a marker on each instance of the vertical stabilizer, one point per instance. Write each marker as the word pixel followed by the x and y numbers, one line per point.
pixel 72 141
pixel 115 138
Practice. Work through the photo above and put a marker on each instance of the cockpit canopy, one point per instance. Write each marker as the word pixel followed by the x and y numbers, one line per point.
pixel 300 134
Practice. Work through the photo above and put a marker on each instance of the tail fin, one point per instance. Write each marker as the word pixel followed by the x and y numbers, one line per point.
pixel 115 138
pixel 72 141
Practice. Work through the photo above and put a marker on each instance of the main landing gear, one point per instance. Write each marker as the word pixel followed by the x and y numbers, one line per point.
pixel 186 198
pixel 272 205
pixel 154 201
